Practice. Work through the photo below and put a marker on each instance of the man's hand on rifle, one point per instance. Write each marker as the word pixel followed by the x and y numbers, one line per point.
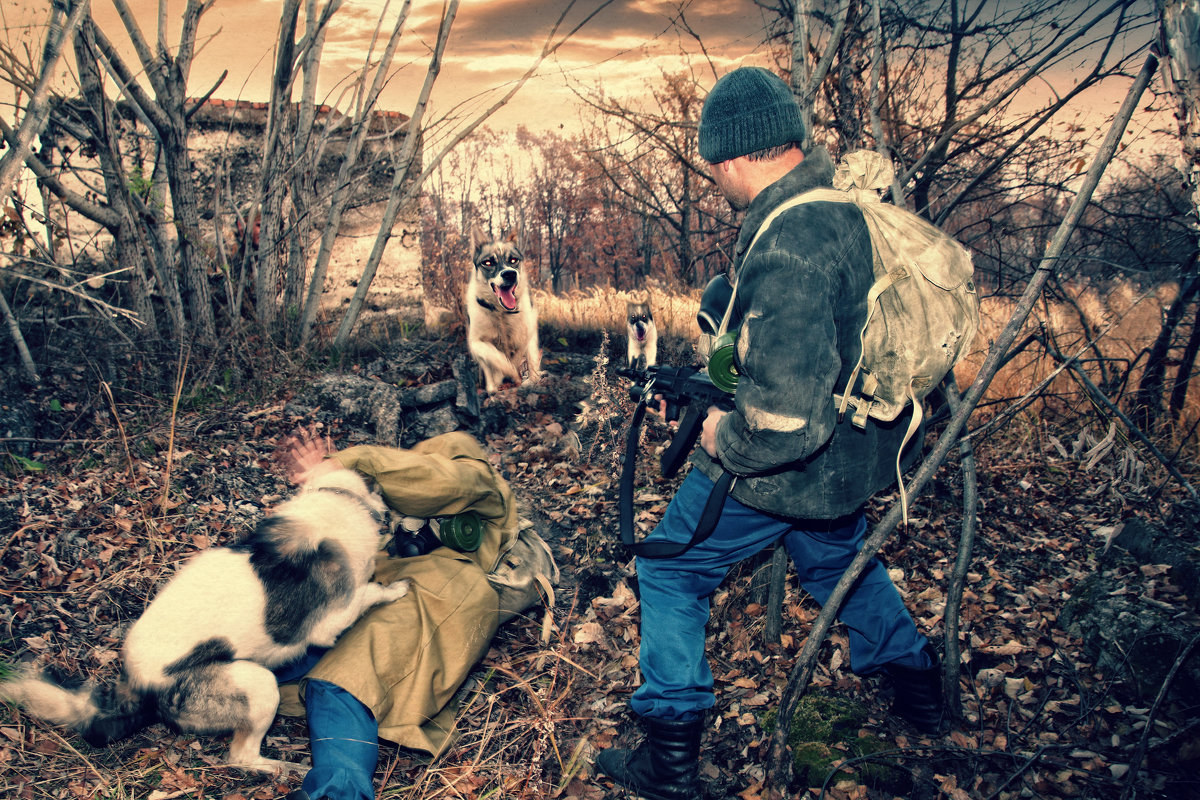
pixel 661 410
pixel 708 433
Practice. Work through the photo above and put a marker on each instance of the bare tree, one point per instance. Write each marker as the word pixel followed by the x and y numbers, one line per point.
pixel 404 186
pixel 127 209
pixel 167 112
pixel 647 151
pixel 140 187
pixel 1180 44
pixel 409 173
pixel 59 31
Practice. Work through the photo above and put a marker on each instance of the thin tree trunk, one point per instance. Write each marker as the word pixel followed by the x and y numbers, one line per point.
pixel 14 331
pixel 962 562
pixel 273 184
pixel 306 157
pixel 876 96
pixel 125 227
pixel 398 196
pixel 341 192
pixel 168 117
pixel 1180 42
pixel 804 84
pixel 1148 399
pixel 773 630
pixel 1187 366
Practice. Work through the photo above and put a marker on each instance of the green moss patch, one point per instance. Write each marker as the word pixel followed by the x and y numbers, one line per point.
pixel 825 730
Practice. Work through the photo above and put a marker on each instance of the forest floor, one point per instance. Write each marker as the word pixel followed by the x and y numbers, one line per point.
pixel 95 516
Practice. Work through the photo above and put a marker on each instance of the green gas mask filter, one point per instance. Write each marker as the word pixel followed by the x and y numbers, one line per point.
pixel 462 532
pixel 716 348
pixel 722 369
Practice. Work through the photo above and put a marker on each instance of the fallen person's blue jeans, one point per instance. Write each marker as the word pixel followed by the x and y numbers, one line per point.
pixel 675 592
pixel 343 737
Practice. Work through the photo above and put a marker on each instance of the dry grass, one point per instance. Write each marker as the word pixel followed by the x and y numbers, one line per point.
pixel 1123 322
pixel 597 309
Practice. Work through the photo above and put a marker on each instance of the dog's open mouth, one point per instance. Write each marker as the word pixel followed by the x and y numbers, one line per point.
pixel 506 295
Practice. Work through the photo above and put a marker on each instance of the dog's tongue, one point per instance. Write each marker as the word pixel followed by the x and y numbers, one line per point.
pixel 641 334
pixel 508 298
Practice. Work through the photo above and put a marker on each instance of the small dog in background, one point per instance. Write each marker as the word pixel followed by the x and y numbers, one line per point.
pixel 501 321
pixel 642 350
pixel 200 656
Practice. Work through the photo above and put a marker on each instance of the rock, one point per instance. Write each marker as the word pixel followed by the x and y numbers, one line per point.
pixel 1133 636
pixel 360 402
pixel 17 423
pixel 388 415
pixel 1177 545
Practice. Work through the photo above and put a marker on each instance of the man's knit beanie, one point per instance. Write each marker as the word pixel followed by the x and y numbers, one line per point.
pixel 748 110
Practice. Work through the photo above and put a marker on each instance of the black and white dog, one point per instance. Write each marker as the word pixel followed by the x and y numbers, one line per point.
pixel 200 656
pixel 501 321
pixel 642 350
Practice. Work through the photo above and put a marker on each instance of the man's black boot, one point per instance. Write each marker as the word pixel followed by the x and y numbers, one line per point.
pixel 918 695
pixel 665 766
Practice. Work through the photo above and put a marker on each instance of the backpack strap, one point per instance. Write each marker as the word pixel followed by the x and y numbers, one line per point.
pixel 862 404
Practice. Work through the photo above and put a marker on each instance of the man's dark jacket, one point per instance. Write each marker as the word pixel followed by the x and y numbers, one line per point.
pixel 801 297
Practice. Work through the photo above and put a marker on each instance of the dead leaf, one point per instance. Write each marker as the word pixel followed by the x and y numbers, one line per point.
pixel 1009 648
pixel 589 633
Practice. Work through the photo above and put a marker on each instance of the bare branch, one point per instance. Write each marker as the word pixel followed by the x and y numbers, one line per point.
pixel 362 121
pixel 1001 97
pixel 93 211
pixel 14 330
pixel 58 34
pixel 397 198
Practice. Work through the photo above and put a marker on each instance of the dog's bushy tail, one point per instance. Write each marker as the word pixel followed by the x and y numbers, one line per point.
pixel 100 714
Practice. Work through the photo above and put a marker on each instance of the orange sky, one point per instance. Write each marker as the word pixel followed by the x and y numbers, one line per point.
pixel 625 48
pixel 493 41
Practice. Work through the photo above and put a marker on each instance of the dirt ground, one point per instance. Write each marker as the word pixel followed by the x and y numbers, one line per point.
pixel 119 489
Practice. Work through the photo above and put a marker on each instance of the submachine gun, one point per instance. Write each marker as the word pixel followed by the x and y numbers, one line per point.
pixel 683 389
pixel 692 392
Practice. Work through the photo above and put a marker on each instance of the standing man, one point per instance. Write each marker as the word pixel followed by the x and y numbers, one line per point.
pixel 800 473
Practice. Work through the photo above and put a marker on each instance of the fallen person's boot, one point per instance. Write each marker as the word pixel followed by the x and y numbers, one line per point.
pixel 665 766
pixel 918 695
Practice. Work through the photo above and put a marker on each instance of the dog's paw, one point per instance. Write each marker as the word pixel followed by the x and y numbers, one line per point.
pixel 272 766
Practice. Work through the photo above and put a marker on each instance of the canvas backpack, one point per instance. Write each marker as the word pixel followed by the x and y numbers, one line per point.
pixel 525 577
pixel 923 308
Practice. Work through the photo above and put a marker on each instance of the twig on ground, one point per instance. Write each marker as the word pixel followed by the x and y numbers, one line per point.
pixel 1136 764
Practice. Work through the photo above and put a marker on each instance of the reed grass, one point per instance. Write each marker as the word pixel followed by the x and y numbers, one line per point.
pixel 1122 322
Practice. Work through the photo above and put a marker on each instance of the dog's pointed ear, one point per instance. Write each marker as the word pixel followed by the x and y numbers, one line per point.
pixel 477 238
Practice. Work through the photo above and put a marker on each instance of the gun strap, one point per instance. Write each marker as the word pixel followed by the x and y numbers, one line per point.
pixel 708 519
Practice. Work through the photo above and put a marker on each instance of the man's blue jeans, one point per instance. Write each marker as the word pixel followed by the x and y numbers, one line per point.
pixel 677 681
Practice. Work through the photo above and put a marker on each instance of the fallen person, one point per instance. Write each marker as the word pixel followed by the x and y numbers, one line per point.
pixel 394 674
